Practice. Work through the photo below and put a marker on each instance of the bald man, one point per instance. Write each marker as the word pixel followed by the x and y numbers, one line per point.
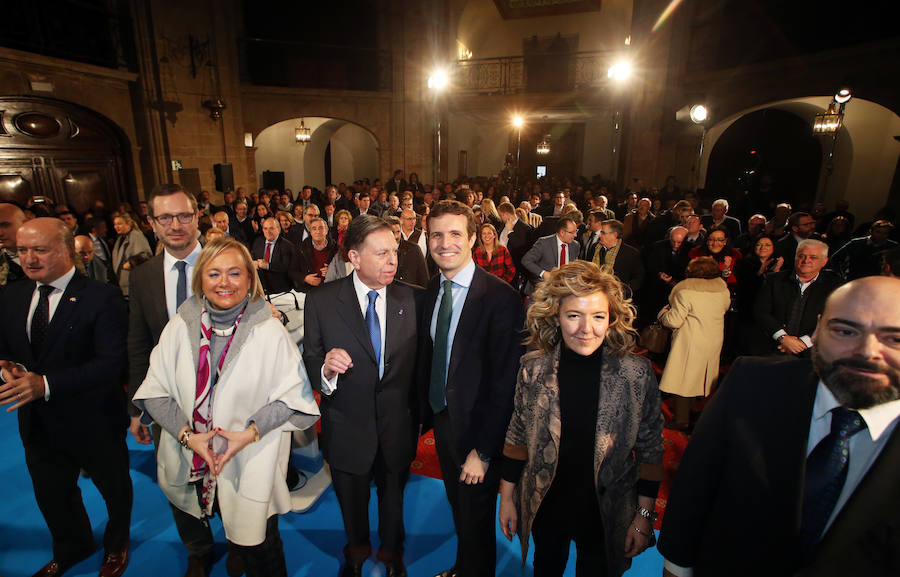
pixel 11 218
pixel 62 360
pixel 94 268
pixel 794 468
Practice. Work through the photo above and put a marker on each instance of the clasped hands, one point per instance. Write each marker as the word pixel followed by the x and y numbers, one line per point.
pixel 202 444
pixel 21 386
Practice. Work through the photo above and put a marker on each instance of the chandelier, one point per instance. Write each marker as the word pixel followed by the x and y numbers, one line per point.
pixel 830 121
pixel 543 145
pixel 302 134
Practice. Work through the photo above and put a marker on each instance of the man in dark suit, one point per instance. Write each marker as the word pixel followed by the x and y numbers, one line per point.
pixel 359 349
pixel 277 260
pixel 223 221
pixel 719 217
pixel 792 470
pixel 666 264
pixel 316 253
pixel 623 260
pixel 551 251
pixel 396 184
pixel 62 354
pixel 800 225
pixel 411 267
pixel 156 290
pixel 243 223
pixel 590 240
pixel 789 303
pixel 469 334
pixel 94 268
pixel 516 235
pixel 11 218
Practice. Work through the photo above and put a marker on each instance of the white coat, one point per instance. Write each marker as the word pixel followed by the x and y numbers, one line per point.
pixel 262 365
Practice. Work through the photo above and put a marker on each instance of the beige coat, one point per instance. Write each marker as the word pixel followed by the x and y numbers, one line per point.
pixel 696 315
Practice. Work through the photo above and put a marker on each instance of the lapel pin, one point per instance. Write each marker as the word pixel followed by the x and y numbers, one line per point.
pixel 73 299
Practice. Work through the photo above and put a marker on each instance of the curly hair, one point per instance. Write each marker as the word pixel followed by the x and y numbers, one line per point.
pixel 580 279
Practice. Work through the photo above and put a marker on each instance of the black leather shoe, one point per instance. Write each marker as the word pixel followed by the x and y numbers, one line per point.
pixel 351 570
pixel 451 572
pixel 396 569
pixel 196 568
pixel 114 563
pixel 54 568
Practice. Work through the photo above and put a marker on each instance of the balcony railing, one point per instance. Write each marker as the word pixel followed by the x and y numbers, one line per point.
pixel 541 72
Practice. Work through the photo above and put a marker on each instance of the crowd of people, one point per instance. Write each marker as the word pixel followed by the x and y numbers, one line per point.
pixel 508 321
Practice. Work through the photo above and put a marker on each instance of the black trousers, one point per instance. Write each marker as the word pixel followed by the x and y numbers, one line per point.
pixel 474 506
pixel 195 533
pixel 55 464
pixel 352 491
pixel 558 522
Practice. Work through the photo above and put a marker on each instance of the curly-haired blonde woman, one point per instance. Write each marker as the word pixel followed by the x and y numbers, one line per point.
pixel 583 453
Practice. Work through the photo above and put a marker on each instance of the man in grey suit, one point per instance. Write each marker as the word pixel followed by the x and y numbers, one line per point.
pixel 551 251
pixel 157 288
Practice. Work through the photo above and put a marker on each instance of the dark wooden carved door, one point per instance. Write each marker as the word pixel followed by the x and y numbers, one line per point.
pixel 64 152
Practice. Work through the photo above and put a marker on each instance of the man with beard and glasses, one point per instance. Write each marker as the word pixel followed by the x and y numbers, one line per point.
pixel 794 468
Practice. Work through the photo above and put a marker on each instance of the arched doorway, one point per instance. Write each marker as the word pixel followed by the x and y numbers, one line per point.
pixel 63 152
pixel 765 157
pixel 338 151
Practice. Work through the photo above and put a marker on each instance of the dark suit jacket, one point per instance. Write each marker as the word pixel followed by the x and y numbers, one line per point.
pixel 283 273
pixel 732 224
pixel 660 259
pixel 306 262
pixel 147 318
pixel 735 506
pixel 484 362
pixel 365 414
pixel 411 267
pixel 519 241
pixel 83 359
pixel 629 267
pixel 776 299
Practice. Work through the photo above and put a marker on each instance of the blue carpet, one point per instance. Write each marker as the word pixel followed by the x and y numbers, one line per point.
pixel 312 540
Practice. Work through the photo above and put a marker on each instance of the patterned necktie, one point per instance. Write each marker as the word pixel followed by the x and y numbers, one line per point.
pixel 181 287
pixel 40 320
pixel 374 326
pixel 562 254
pixel 826 472
pixel 438 385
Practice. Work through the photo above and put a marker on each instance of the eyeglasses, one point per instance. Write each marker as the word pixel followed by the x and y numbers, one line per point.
pixel 166 219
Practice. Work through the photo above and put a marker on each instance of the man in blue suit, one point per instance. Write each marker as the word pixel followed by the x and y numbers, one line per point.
pixel 62 355
pixel 468 360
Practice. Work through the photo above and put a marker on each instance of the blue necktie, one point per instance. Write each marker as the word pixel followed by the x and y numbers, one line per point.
pixel 438 385
pixel 374 327
pixel 826 472
pixel 181 287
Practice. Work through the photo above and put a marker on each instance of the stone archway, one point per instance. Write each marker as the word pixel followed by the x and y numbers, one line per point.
pixel 865 158
pixel 352 152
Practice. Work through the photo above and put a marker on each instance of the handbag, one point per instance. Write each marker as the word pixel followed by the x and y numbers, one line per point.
pixel 655 338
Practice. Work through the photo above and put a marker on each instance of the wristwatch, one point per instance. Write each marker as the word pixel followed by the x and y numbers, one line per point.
pixel 647 514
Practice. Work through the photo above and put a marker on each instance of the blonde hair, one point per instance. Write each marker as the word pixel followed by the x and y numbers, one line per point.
pixel 214 248
pixel 488 208
pixel 127 218
pixel 580 279
pixel 481 228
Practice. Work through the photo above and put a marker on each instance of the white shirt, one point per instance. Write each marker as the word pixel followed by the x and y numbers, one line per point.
pixel 329 386
pixel 59 287
pixel 422 243
pixel 806 339
pixel 865 446
pixel 170 276
pixel 504 234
